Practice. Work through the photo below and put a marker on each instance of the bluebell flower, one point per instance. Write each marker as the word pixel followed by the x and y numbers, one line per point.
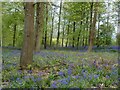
pixel 32 77
pixel 69 71
pixel 54 85
pixel 26 77
pixel 19 80
pixel 84 75
pixel 107 76
pixel 60 73
pixel 96 76
pixel 64 82
pixel 40 73
pixel 30 71
pixel 39 79
pixel 90 77
pixel 76 76
pixel 68 79
pixel 83 70
pixel 20 71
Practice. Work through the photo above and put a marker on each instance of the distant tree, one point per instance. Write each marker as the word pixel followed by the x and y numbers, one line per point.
pixel 67 33
pixel 46 22
pixel 51 34
pixel 58 34
pixel 118 39
pixel 28 42
pixel 73 34
pixel 63 34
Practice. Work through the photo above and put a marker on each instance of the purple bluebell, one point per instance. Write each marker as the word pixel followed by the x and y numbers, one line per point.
pixel 26 77
pixel 63 81
pixel 60 73
pixel 30 71
pixel 107 76
pixel 54 85
pixel 39 79
pixel 84 75
pixel 83 70
pixel 96 76
pixel 69 71
pixel 19 80
pixel 20 71
pixel 77 76
pixel 90 77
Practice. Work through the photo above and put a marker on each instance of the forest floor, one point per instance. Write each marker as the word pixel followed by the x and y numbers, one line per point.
pixel 61 68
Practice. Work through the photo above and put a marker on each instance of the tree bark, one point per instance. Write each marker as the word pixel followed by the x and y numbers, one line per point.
pixel 39 25
pixel 51 35
pixel 98 34
pixel 93 29
pixel 58 34
pixel 28 40
pixel 87 30
pixel 14 35
pixel 91 14
pixel 67 35
pixel 63 34
pixel 79 35
pixel 45 43
pixel 73 34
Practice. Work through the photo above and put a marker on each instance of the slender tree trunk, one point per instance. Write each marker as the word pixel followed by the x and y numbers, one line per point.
pixel 83 39
pixel 67 35
pixel 87 30
pixel 98 31
pixel 28 41
pixel 93 31
pixel 79 35
pixel 106 42
pixel 91 14
pixel 58 35
pixel 45 44
pixel 73 34
pixel 63 33
pixel 14 35
pixel 39 25
pixel 51 35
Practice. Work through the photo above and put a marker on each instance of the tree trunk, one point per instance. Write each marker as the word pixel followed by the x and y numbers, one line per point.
pixel 63 34
pixel 39 25
pixel 73 34
pixel 98 34
pixel 45 43
pixel 67 35
pixel 58 35
pixel 87 30
pixel 51 35
pixel 28 41
pixel 106 42
pixel 91 14
pixel 79 35
pixel 93 29
pixel 14 34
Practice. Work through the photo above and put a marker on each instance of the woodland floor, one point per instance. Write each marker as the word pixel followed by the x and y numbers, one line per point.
pixel 61 68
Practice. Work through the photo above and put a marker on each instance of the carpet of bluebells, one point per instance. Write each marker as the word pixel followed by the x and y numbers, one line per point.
pixel 61 69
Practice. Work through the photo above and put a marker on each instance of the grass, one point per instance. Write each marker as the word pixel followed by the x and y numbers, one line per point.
pixel 64 69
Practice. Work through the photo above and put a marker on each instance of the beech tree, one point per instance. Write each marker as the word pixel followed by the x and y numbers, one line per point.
pixel 39 25
pixel 93 28
pixel 58 35
pixel 28 40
